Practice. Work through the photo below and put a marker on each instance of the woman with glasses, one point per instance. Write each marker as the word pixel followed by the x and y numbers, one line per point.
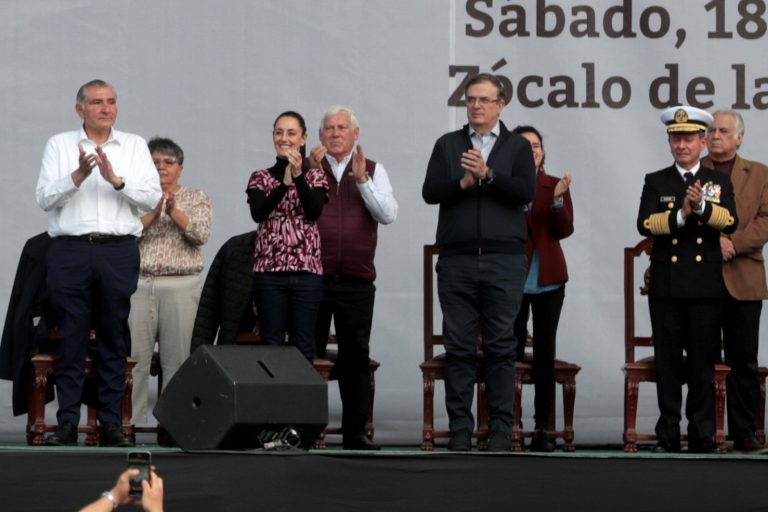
pixel 286 199
pixel 165 303
pixel 550 219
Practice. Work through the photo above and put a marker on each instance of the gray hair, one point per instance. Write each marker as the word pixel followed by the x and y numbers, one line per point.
pixel 338 109
pixel 80 98
pixel 736 116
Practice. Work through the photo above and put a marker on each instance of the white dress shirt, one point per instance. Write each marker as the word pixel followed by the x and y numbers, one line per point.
pixel 376 191
pixel 700 208
pixel 484 142
pixel 95 206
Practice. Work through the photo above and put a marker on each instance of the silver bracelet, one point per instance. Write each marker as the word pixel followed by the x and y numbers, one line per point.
pixel 108 495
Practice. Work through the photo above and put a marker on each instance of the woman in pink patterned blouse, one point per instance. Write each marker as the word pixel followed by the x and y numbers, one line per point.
pixel 286 200
pixel 165 302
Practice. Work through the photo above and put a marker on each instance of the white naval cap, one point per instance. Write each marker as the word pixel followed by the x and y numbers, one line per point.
pixel 685 119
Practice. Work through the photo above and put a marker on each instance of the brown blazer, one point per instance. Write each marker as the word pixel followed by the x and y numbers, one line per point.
pixel 745 274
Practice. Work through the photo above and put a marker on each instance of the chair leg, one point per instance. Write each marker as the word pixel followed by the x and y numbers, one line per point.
pixel 36 412
pixel 127 405
pixel 428 429
pixel 482 416
pixel 517 428
pixel 760 419
pixel 91 428
pixel 720 378
pixel 569 402
pixel 631 387
pixel 369 422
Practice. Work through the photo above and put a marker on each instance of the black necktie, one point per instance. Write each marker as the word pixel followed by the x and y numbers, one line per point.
pixel 688 179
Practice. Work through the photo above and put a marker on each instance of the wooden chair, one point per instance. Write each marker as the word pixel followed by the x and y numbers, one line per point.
pixel 42 365
pixel 433 367
pixel 644 370
pixel 565 375
pixel 326 367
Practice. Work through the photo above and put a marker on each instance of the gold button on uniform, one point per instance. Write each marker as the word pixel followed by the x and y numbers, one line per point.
pixel 698 258
pixel 670 205
pixel 674 259
pixel 699 241
pixel 674 241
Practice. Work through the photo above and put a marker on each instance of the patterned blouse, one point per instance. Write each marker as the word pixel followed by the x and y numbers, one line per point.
pixel 287 240
pixel 166 250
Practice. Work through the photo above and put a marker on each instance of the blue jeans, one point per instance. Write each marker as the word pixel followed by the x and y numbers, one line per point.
pixel 287 302
pixel 480 294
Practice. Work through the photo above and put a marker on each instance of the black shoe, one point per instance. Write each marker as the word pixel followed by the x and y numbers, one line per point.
pixel 460 441
pixel 65 435
pixel 664 446
pixel 360 442
pixel 499 442
pixel 749 444
pixel 541 443
pixel 702 446
pixel 110 435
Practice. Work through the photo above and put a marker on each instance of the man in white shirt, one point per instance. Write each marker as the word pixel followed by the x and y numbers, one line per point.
pixel 93 182
pixel 359 200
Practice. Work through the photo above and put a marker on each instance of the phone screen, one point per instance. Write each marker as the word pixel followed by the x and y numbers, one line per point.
pixel 141 461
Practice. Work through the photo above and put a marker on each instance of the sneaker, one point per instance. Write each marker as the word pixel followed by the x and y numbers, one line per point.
pixel 460 441
pixel 541 442
pixel 65 435
pixel 110 435
pixel 499 442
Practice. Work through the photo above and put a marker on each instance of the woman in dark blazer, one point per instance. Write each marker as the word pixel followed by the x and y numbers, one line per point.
pixel 550 219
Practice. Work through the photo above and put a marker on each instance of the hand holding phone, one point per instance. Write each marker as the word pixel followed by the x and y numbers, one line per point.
pixel 141 460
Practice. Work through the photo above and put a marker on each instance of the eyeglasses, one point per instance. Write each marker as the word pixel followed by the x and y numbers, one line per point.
pixel 484 100
pixel 164 161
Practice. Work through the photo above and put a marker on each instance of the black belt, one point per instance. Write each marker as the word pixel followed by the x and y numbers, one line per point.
pixel 96 238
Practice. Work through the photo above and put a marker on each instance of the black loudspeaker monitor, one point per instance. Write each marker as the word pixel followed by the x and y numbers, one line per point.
pixel 232 397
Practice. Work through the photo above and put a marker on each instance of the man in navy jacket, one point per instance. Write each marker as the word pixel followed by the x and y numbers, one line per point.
pixel 482 176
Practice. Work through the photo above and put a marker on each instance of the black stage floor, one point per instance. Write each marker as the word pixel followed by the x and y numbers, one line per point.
pixel 48 479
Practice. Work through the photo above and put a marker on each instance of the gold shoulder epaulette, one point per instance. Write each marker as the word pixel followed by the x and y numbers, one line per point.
pixel 658 223
pixel 720 218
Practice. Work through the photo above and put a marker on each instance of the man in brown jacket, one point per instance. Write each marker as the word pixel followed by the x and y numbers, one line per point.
pixel 743 272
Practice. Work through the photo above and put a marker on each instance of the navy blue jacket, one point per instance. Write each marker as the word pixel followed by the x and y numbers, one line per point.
pixel 484 217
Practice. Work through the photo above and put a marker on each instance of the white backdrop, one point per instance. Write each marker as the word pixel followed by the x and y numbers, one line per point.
pixel 593 77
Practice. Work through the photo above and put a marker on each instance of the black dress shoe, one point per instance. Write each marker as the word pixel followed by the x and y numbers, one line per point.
pixel 499 442
pixel 541 443
pixel 702 446
pixel 65 435
pixel 360 442
pixel 664 446
pixel 460 441
pixel 110 435
pixel 749 444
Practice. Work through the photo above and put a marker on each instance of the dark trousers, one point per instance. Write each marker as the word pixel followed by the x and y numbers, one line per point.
pixel 545 308
pixel 287 302
pixel 480 294
pixel 741 327
pixel 350 304
pixel 693 326
pixel 91 287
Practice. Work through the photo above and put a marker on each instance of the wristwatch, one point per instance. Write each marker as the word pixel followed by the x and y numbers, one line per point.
pixel 489 177
pixel 121 186
pixel 107 494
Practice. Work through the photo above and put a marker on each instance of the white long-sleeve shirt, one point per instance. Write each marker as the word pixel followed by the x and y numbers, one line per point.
pixel 95 206
pixel 376 191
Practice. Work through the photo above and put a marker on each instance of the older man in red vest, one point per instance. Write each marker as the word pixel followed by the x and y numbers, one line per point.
pixel 359 200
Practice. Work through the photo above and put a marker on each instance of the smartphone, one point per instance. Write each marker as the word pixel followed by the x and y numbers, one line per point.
pixel 140 460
